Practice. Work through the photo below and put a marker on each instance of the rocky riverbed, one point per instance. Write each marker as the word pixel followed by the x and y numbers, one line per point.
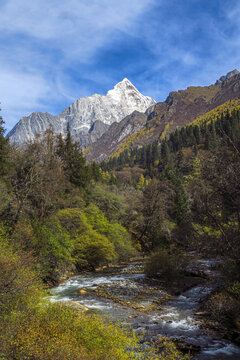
pixel 169 308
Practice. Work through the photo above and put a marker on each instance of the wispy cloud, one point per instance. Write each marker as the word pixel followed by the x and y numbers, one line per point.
pixel 42 41
pixel 21 92
pixel 53 52
pixel 79 20
pixel 193 43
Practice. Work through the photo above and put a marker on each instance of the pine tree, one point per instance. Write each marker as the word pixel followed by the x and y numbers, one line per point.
pixel 207 139
pixel 4 149
pixel 211 137
pixel 154 152
pixel 144 158
pixel 60 146
pixel 214 135
pixel 197 134
pixel 95 171
pixel 190 136
pixel 74 162
pixel 165 151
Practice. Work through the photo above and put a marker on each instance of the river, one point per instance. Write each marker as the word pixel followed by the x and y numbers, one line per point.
pixel 175 318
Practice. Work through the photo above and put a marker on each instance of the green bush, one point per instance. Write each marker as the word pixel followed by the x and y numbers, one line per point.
pixel 223 308
pixel 73 220
pixel 234 289
pixel 92 250
pixel 96 218
pixel 164 263
pixel 91 246
pixel 4 197
pixel 231 269
pixel 19 285
pixel 53 247
pixel 57 332
pixel 121 239
pixel 115 232
pixel 23 236
pixel 109 203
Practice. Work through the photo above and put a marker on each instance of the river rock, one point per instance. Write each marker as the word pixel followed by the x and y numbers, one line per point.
pixel 82 291
pixel 77 305
pixel 200 313
pixel 186 348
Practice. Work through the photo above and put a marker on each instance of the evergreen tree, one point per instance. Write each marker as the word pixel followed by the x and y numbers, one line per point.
pixel 4 149
pixel 95 171
pixel 149 156
pixel 214 135
pixel 207 139
pixel 154 152
pixel 144 158
pixel 60 146
pixel 74 162
pixel 197 134
pixel 190 136
pixel 165 150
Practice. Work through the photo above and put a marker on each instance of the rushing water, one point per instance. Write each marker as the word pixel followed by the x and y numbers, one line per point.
pixel 175 319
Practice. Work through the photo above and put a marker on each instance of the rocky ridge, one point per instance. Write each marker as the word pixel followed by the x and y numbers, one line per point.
pixel 88 117
pixel 227 76
pixel 179 109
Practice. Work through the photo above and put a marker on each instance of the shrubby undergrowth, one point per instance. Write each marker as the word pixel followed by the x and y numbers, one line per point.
pixel 32 328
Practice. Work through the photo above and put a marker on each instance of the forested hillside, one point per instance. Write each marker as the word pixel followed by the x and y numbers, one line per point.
pixel 190 184
pixel 58 216
pixel 191 201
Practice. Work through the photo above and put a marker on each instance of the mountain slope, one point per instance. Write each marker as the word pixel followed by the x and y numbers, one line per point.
pixel 83 113
pixel 116 135
pixel 179 109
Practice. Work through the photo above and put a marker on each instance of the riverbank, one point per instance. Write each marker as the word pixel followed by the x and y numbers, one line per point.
pixel 153 305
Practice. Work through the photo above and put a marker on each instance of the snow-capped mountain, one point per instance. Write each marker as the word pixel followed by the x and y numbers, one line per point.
pixel 83 113
pixel 178 110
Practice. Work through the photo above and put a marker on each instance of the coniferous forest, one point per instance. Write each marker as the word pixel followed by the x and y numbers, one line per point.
pixel 165 203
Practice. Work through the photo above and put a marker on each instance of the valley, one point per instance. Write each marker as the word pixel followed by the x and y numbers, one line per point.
pixel 159 182
pixel 127 296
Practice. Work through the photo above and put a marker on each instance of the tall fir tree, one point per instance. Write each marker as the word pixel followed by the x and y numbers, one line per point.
pixel 74 162
pixel 4 149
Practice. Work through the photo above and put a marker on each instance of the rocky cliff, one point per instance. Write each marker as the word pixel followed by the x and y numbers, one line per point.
pixel 88 117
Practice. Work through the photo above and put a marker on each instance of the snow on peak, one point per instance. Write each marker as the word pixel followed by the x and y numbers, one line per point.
pixel 119 102
pixel 125 82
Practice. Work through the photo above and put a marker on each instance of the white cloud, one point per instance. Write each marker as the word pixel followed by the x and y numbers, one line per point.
pixel 76 26
pixel 74 30
pixel 20 93
pixel 52 43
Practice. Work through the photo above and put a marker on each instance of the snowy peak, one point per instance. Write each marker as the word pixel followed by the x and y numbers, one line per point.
pixel 127 93
pixel 118 103
pixel 124 85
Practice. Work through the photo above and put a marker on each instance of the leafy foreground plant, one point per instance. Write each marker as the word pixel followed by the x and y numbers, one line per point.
pixel 59 332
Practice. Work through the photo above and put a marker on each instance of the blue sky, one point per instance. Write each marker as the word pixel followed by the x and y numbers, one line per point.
pixel 54 51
